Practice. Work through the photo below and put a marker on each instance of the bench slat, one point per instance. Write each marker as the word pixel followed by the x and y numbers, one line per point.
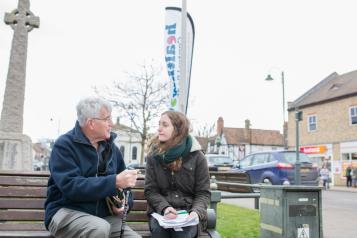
pixel 23 181
pixel 24 234
pixel 140 183
pixel 138 194
pixel 38 203
pixel 41 192
pixel 22 226
pixel 12 191
pixel 136 217
pixel 139 205
pixel 38 215
pixel 44 174
pixel 234 189
pixel 14 203
pixel 22 215
pixel 235 177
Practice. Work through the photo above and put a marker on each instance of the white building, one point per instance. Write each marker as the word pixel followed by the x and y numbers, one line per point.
pixel 239 142
pixel 129 143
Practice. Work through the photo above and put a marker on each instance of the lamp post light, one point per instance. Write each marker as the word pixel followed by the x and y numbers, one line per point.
pixel 270 78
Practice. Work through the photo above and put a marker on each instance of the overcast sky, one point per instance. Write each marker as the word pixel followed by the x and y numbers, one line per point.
pixel 83 43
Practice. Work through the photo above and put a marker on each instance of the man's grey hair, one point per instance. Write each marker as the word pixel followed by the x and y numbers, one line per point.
pixel 90 108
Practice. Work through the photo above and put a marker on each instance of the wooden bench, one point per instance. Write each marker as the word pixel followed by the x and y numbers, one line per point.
pixel 236 182
pixel 22 197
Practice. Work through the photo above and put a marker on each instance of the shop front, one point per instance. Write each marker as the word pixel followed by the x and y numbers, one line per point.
pixel 348 158
pixel 319 155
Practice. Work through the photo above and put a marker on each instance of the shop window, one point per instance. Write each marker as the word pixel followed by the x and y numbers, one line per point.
pixel 353 115
pixel 345 156
pixel 354 156
pixel 312 123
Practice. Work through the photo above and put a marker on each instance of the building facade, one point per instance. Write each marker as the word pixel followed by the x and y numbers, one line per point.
pixel 328 130
pixel 129 143
pixel 239 142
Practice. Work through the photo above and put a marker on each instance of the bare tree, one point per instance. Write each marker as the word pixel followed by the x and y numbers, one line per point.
pixel 141 99
pixel 205 130
pixel 203 134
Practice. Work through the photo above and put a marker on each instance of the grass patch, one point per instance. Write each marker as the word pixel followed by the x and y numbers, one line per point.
pixel 237 222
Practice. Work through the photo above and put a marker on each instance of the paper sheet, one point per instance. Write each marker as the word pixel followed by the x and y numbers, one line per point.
pixel 181 220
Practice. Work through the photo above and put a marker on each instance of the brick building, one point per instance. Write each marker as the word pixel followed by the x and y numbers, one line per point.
pixel 328 130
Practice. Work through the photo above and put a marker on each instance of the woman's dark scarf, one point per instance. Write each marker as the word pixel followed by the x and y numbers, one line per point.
pixel 180 150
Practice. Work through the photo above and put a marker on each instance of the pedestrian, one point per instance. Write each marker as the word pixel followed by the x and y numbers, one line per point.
pixel 325 175
pixel 177 176
pixel 86 169
pixel 354 176
pixel 349 176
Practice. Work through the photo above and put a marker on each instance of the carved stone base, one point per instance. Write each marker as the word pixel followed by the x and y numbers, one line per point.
pixel 15 151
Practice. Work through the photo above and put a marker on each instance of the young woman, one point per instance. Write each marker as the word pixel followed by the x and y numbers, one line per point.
pixel 176 177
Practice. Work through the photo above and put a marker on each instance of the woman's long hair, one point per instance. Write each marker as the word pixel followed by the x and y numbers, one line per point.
pixel 181 129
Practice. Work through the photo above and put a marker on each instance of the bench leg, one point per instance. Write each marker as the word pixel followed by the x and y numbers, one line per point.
pixel 256 203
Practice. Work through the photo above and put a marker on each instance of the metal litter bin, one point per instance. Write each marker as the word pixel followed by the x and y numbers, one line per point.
pixel 290 212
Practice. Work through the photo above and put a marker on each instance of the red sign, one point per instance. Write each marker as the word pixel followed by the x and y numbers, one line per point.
pixel 313 149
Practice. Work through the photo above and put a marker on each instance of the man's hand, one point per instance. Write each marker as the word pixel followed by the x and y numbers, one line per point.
pixel 126 179
pixel 118 211
pixel 170 213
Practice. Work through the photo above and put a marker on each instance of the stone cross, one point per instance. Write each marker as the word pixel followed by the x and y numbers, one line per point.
pixel 21 20
pixel 15 147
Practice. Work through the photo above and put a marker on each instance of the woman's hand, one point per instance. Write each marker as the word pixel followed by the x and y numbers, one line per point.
pixel 193 214
pixel 170 213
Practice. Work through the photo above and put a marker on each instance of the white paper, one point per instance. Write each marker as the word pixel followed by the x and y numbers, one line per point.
pixel 182 220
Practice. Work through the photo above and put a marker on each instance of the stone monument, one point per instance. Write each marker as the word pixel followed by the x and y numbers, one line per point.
pixel 15 147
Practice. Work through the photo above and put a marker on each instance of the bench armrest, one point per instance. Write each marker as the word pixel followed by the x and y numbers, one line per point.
pixel 211 219
pixel 211 223
pixel 215 198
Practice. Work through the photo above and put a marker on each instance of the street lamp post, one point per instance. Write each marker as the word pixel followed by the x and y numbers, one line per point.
pixel 298 118
pixel 270 78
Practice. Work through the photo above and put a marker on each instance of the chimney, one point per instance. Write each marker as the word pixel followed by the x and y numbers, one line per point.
pixel 220 125
pixel 248 133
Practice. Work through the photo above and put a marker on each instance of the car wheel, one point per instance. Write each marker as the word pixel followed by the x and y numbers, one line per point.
pixel 267 181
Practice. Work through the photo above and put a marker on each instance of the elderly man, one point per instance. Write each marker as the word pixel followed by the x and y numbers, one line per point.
pixel 86 168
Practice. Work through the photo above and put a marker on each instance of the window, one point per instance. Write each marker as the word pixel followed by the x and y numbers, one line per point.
pixel 135 153
pixel 345 156
pixel 311 123
pixel 353 115
pixel 260 159
pixel 349 156
pixel 247 161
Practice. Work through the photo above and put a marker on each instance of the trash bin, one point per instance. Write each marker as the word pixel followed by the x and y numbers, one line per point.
pixel 290 212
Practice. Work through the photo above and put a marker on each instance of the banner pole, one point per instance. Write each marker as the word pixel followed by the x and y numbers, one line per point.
pixel 183 61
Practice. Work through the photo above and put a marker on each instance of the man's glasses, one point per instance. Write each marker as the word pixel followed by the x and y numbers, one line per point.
pixel 106 119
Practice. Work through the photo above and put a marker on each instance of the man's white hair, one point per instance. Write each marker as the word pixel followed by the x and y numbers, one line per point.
pixel 90 108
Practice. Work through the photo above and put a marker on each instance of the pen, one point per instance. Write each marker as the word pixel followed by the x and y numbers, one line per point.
pixel 182 212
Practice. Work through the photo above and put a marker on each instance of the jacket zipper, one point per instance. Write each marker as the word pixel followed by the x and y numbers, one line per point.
pixel 96 207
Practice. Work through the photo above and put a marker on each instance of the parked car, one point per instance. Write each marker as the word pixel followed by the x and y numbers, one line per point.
pixel 278 167
pixel 217 162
